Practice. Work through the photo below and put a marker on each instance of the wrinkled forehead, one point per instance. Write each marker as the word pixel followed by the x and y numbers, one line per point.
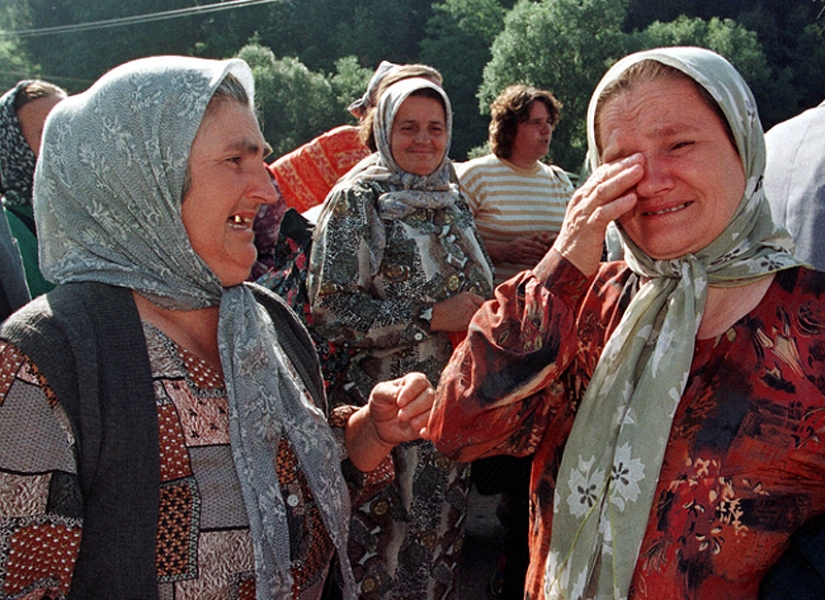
pixel 714 77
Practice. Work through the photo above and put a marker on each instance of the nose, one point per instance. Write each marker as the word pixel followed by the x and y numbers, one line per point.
pixel 657 178
pixel 422 135
pixel 264 187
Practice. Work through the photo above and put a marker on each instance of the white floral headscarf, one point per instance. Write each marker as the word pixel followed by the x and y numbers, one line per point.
pixel 107 199
pixel 613 456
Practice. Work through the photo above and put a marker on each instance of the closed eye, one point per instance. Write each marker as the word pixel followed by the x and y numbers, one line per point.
pixel 681 145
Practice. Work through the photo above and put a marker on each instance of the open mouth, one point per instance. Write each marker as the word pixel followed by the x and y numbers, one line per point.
pixel 239 222
pixel 665 211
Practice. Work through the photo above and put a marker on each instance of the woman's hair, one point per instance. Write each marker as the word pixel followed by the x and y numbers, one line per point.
pixel 395 75
pixel 229 89
pixel 35 90
pixel 650 70
pixel 512 107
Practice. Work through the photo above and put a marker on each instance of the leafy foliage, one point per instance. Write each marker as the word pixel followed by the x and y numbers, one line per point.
pixel 563 46
pixel 480 46
pixel 296 104
pixel 459 36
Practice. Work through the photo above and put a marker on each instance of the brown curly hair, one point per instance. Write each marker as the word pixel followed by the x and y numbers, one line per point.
pixel 512 107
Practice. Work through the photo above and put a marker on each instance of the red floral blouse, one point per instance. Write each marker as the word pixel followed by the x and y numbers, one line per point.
pixel 744 465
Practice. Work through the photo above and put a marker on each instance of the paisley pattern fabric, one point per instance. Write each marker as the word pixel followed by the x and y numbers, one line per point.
pixel 392 244
pixel 109 191
pixel 643 369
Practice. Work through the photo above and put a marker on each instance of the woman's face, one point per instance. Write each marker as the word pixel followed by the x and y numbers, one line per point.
pixel 419 135
pixel 694 179
pixel 229 183
pixel 31 116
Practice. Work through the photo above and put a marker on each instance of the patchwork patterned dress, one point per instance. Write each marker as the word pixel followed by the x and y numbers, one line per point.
pixel 204 548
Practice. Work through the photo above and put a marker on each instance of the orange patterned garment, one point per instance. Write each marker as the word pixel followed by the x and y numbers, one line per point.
pixel 307 174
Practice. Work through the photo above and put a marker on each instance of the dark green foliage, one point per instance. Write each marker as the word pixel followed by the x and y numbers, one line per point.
pixel 459 36
pixel 479 46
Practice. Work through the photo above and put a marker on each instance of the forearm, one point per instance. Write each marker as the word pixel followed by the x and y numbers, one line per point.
pixel 517 345
pixel 365 447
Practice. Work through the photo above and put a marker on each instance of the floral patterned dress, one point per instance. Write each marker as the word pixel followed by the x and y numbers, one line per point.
pixel 406 542
pixel 744 465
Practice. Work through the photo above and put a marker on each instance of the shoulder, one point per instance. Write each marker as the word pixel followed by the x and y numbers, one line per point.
pixel 476 165
pixel 802 285
pixel 557 173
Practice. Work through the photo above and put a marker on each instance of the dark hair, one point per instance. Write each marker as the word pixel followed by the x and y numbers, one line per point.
pixel 512 107
pixel 367 132
pixel 35 90
pixel 650 70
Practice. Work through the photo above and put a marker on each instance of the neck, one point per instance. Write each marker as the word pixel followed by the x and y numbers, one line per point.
pixel 726 305
pixel 195 330
pixel 522 162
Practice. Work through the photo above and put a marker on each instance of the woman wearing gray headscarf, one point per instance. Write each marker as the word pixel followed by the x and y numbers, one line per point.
pixel 674 399
pixel 396 268
pixel 164 426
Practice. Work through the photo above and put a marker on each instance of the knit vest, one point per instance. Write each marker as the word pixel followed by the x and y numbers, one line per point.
pixel 87 341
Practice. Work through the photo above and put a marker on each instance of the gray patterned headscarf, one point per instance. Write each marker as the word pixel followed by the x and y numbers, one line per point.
pixel 360 107
pixel 408 192
pixel 17 159
pixel 108 204
pixel 614 453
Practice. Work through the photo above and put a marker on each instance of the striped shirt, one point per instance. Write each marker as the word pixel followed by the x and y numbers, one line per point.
pixel 509 202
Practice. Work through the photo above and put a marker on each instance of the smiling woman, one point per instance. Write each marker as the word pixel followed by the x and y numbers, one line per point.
pixel 396 265
pixel 227 186
pixel 173 403
pixel 670 398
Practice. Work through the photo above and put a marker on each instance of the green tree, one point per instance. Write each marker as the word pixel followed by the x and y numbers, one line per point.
pixel 724 36
pixel 14 62
pixel 296 104
pixel 459 36
pixel 348 83
pixel 563 46
pixel 82 56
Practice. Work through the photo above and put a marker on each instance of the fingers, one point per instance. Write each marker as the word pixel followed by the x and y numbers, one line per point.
pixel 606 195
pixel 612 182
pixel 414 393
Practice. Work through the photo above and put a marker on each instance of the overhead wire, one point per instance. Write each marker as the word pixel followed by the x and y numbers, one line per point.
pixel 135 19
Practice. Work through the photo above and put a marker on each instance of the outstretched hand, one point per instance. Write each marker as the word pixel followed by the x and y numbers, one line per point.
pixel 400 408
pixel 397 411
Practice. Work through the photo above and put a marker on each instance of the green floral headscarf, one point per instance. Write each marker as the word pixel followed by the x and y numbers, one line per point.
pixel 613 456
